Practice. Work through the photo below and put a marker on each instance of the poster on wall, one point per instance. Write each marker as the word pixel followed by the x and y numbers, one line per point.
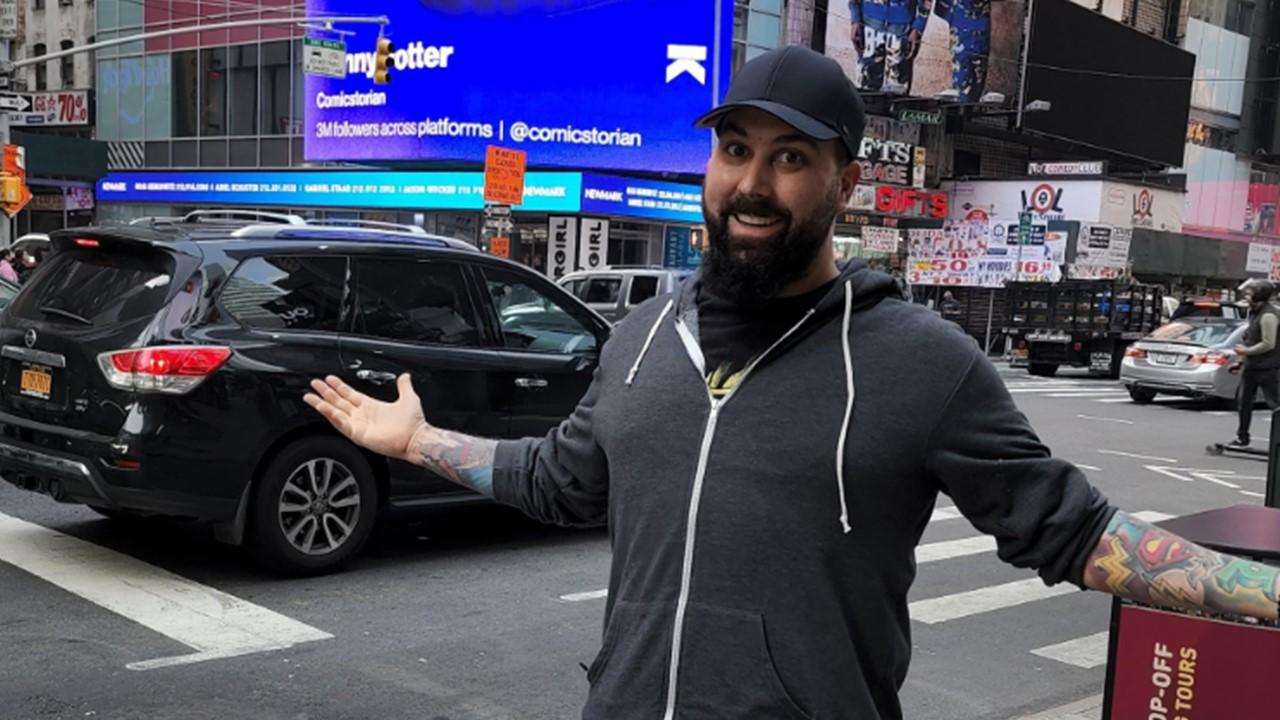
pixel 1259 260
pixel 881 239
pixel 965 254
pixel 562 246
pixel 948 47
pixel 1102 252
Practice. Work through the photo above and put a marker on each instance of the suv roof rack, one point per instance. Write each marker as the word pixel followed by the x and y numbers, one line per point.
pixel 313 231
pixel 256 217
pixel 370 225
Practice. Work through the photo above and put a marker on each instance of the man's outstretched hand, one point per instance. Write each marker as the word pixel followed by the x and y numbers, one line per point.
pixel 385 428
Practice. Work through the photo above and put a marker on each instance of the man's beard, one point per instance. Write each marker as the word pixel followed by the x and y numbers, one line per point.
pixel 756 279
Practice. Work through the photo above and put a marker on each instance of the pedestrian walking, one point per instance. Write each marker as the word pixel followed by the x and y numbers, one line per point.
pixel 887 36
pixel 767 445
pixel 1260 355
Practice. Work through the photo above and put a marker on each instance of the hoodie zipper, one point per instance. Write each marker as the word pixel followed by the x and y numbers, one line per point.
pixel 695 501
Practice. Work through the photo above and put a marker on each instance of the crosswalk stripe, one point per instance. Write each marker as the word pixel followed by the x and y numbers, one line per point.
pixel 985 600
pixel 933 552
pixel 1116 400
pixel 1087 652
pixel 579 597
pixel 214 624
pixel 1091 394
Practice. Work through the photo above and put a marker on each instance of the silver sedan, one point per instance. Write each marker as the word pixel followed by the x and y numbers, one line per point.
pixel 1191 358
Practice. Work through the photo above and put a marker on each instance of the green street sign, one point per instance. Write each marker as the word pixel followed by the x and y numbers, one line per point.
pixel 924 117
pixel 1024 228
pixel 324 57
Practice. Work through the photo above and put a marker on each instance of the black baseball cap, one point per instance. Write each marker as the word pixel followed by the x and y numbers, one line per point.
pixel 804 89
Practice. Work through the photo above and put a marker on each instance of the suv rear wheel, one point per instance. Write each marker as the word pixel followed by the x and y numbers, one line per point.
pixel 1043 369
pixel 315 507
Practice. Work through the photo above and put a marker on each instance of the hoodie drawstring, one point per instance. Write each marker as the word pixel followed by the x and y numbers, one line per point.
pixel 848 411
pixel 653 331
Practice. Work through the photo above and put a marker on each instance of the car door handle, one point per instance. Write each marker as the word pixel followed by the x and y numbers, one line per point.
pixel 531 383
pixel 376 377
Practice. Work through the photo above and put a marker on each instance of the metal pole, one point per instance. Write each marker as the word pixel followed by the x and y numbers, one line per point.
pixel 991 311
pixel 189 29
pixel 6 54
pixel 1026 53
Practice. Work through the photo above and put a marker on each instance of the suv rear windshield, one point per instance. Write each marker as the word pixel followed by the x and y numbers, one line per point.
pixel 85 287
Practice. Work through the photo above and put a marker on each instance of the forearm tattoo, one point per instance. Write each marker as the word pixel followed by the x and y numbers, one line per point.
pixel 1141 562
pixel 465 460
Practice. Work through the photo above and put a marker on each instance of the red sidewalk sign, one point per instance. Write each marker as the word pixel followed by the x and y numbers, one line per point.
pixel 504 175
pixel 1173 666
pixel 500 247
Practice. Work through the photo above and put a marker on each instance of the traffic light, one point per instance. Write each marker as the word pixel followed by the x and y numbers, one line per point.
pixel 383 62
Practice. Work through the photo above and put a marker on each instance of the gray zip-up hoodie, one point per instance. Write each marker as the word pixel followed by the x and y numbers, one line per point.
pixel 763 544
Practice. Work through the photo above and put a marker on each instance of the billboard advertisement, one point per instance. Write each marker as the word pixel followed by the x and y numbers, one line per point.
pixel 575 83
pixel 965 48
pixel 1146 83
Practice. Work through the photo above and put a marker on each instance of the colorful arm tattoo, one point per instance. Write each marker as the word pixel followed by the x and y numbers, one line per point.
pixel 1138 561
pixel 463 459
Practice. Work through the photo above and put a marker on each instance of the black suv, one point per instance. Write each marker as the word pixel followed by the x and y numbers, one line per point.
pixel 159 370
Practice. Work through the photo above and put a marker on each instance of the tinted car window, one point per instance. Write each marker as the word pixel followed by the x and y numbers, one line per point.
pixel 643 287
pixel 287 293
pixel 534 320
pixel 603 290
pixel 86 287
pixel 424 302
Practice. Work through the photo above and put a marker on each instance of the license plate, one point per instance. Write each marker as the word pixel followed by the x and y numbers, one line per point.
pixel 36 382
pixel 1163 358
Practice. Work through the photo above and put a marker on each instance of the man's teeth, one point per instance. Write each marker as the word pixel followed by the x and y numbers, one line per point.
pixel 756 220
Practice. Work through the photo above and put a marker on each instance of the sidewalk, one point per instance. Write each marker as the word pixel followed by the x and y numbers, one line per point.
pixel 1087 709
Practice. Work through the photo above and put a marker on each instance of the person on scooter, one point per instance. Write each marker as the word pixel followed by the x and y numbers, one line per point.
pixel 1260 353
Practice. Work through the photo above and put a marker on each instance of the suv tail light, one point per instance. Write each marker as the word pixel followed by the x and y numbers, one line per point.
pixel 1135 353
pixel 174 369
pixel 1212 357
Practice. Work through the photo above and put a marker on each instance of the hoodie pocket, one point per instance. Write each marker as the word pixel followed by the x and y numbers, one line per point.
pixel 628 676
pixel 727 669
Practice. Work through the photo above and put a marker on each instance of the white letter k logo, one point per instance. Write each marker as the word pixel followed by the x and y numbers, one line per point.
pixel 687 59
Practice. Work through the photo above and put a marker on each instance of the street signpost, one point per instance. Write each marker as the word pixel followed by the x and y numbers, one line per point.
pixel 504 175
pixel 14 194
pixel 324 57
pixel 15 103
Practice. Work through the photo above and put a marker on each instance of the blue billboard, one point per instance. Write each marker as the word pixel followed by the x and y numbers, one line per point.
pixel 654 200
pixel 543 192
pixel 575 83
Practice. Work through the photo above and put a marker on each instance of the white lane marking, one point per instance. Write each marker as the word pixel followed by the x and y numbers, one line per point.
pixel 1250 493
pixel 945 513
pixel 1169 472
pixel 579 597
pixel 1090 468
pixel 1217 413
pixel 984 600
pixel 1213 478
pixel 1120 453
pixel 214 624
pixel 1152 516
pixel 1105 419
pixel 1087 652
pixel 1125 399
pixel 1043 389
pixel 933 552
pixel 1086 395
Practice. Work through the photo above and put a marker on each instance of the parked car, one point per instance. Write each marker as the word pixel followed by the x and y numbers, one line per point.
pixel 1192 357
pixel 36 245
pixel 160 371
pixel 615 291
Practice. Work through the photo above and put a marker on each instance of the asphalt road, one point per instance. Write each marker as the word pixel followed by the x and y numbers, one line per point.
pixel 480 614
